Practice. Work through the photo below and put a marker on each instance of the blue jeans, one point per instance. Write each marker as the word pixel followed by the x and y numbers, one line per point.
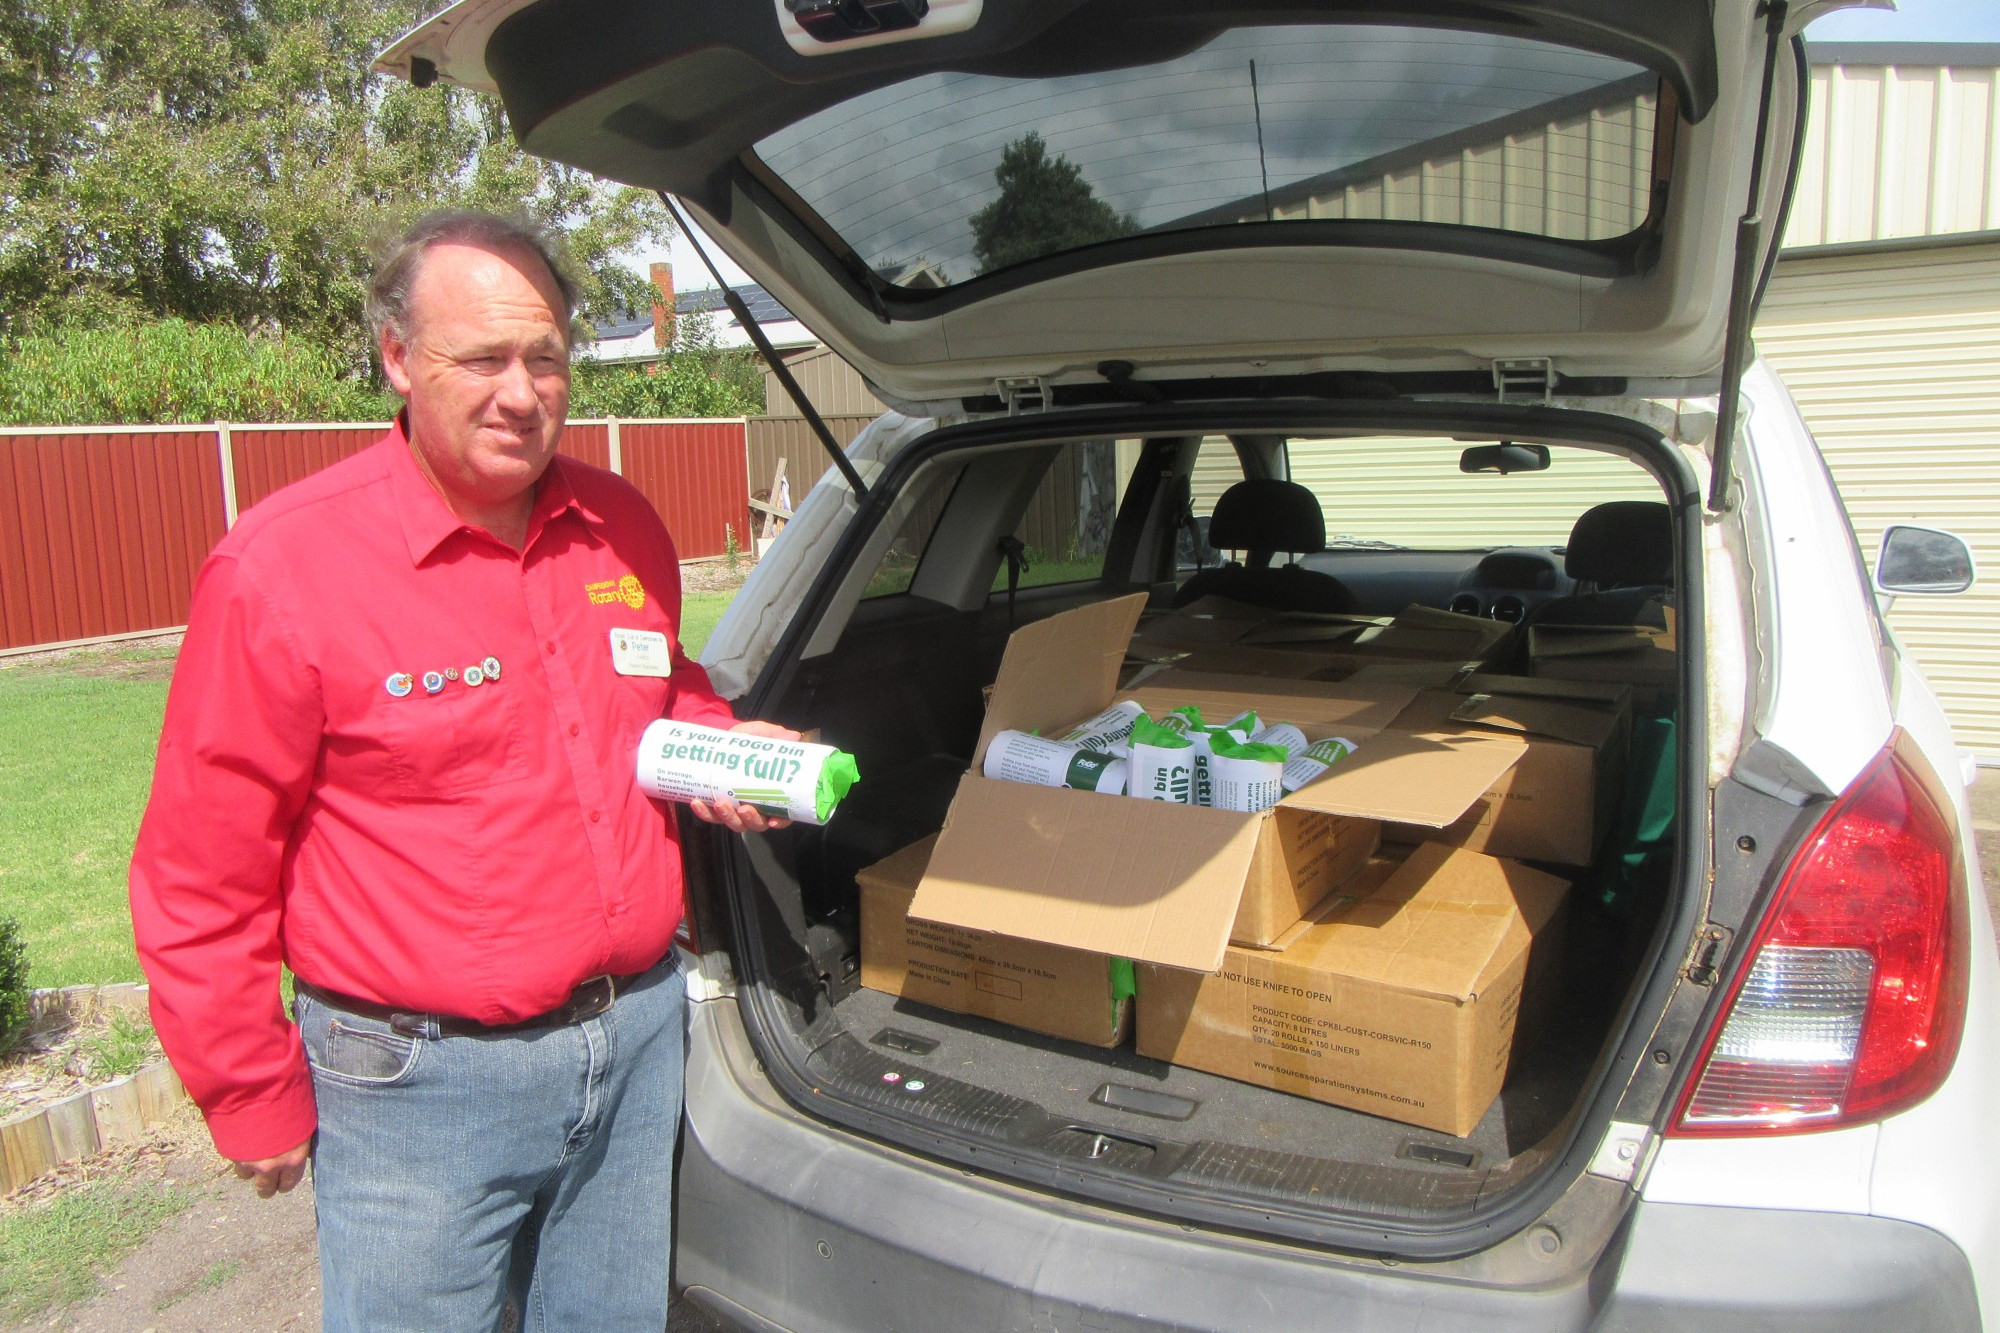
pixel 458 1175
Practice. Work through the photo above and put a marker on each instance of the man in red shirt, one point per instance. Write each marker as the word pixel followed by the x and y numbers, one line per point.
pixel 399 757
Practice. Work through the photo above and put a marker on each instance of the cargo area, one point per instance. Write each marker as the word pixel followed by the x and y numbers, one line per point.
pixel 1139 1002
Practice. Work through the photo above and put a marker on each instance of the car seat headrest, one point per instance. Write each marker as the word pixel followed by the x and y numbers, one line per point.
pixel 1625 543
pixel 1267 515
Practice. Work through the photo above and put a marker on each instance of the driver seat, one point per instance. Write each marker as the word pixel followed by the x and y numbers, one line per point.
pixel 1261 517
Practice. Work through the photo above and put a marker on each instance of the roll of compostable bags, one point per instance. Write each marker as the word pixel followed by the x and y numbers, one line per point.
pixel 1245 775
pixel 1015 756
pixel 1162 763
pixel 1109 731
pixel 1305 760
pixel 796 780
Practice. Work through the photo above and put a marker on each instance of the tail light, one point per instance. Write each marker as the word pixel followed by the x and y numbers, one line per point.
pixel 1854 999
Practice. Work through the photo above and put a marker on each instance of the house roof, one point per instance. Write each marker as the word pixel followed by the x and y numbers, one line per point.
pixel 764 308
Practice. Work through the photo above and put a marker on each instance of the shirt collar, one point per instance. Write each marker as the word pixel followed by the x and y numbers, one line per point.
pixel 428 521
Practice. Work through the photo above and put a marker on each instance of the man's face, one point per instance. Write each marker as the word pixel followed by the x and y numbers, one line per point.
pixel 485 370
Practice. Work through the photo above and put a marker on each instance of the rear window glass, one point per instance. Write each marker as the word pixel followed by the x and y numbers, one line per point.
pixel 948 176
pixel 1402 491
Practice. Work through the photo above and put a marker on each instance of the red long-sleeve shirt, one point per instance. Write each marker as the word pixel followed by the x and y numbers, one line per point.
pixel 477 850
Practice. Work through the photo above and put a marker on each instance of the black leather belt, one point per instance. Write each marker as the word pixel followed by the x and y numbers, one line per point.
pixel 588 1000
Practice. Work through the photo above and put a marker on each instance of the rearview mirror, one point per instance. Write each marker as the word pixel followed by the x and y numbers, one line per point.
pixel 1923 561
pixel 1505 457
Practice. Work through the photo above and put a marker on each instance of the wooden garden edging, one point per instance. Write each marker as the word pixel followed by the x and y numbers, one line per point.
pixel 36 1142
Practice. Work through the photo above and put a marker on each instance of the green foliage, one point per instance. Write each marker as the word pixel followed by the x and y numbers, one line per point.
pixel 14 989
pixel 1045 206
pixel 732 550
pixel 698 379
pixel 686 386
pixel 124 1047
pixel 172 371
pixel 220 162
pixel 52 1254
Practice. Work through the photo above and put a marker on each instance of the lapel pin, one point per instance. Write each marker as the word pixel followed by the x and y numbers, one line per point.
pixel 399 685
pixel 433 682
pixel 474 676
pixel 491 667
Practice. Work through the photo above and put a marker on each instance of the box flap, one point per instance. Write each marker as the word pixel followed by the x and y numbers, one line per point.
pixel 1366 707
pixel 1224 608
pixel 1436 926
pixel 1237 660
pixel 1542 687
pixel 1140 879
pixel 1411 779
pixel 899 870
pixel 1579 724
pixel 1586 641
pixel 1328 633
pixel 1178 630
pixel 1058 671
pixel 1425 631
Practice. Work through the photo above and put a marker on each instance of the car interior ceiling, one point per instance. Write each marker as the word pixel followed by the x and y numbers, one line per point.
pixel 902 688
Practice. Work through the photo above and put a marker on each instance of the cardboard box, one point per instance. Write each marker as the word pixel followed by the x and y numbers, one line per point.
pixel 1083 997
pixel 1558 803
pixel 1402 1003
pixel 1168 883
pixel 1642 658
pixel 1426 633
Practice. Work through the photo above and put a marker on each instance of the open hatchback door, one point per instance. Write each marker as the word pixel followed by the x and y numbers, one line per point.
pixel 974 200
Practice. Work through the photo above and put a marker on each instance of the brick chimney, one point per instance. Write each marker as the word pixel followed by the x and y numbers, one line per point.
pixel 663 306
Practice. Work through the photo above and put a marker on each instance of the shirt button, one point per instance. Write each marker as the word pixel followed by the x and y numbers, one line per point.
pixel 551 646
pixel 596 815
pixel 572 728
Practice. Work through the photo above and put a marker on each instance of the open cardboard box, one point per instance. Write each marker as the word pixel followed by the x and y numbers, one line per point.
pixel 1405 1001
pixel 1083 997
pixel 1164 883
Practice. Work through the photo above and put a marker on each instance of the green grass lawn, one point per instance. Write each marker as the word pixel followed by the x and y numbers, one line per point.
pixel 699 612
pixel 76 761
pixel 52 1254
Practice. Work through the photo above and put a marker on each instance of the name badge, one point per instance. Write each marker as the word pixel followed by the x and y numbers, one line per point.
pixel 641 652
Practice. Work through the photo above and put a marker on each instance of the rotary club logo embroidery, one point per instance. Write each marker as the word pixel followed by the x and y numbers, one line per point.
pixel 628 590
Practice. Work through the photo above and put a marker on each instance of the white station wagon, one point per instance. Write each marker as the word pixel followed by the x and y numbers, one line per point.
pixel 1304 303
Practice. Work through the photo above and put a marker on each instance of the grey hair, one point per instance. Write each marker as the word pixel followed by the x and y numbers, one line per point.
pixel 398 261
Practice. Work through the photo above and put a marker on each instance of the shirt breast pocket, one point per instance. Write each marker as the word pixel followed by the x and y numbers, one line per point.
pixel 464 740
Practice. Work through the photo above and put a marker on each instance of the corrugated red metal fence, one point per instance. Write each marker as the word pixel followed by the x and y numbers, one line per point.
pixel 103 528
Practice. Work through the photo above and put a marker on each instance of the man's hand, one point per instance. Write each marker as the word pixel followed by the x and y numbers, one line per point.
pixel 276 1175
pixel 745 818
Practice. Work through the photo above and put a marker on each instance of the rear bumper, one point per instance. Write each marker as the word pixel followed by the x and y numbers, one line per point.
pixel 787 1224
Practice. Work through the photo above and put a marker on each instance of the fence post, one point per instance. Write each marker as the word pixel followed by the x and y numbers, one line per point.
pixel 225 451
pixel 616 449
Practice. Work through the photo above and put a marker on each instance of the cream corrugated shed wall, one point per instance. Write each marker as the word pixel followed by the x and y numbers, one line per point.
pixel 1408 491
pixel 1894 359
pixel 1898 150
pixel 1585 176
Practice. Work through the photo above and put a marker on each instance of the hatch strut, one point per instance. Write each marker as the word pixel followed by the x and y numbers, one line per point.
pixel 1743 285
pixel 771 358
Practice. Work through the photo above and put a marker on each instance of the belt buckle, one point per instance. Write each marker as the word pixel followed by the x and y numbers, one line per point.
pixel 592 998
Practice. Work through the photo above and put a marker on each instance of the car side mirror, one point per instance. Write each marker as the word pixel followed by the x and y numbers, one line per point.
pixel 1922 561
pixel 1505 457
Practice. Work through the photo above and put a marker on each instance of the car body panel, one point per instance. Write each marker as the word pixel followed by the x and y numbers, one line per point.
pixel 804 1229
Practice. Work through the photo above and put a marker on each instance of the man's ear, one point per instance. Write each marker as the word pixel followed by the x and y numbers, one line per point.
pixel 395 359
